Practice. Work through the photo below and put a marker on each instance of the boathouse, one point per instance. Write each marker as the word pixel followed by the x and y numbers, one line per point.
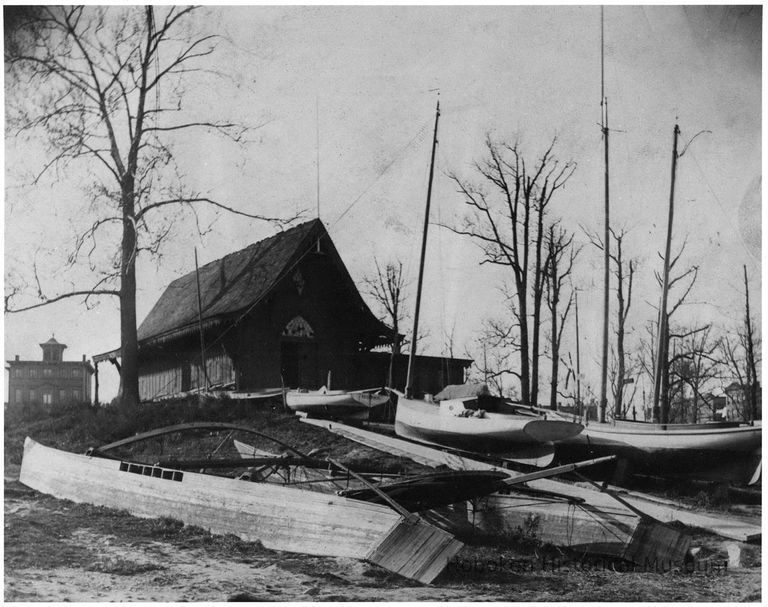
pixel 283 311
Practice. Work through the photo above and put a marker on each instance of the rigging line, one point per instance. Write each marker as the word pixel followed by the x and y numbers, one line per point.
pixel 728 216
pixel 418 137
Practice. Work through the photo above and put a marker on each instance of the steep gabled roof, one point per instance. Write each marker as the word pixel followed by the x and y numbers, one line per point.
pixel 230 284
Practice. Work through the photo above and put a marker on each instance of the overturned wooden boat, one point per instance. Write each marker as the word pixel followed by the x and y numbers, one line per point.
pixel 280 516
pixel 338 404
pixel 467 417
pixel 715 451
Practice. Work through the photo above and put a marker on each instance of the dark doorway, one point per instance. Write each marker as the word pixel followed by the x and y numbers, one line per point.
pixel 298 364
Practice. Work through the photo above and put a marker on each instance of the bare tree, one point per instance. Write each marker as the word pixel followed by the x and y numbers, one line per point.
pixel 624 271
pixel 740 353
pixel 493 360
pixel 103 86
pixel 558 266
pixel 684 282
pixel 386 288
pixel 693 365
pixel 506 220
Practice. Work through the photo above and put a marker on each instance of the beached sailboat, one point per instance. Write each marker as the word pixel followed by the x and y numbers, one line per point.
pixel 466 417
pixel 345 404
pixel 366 523
pixel 721 451
pixel 718 451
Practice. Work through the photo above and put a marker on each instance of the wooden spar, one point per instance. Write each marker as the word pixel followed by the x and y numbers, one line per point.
pixel 661 413
pixel 750 353
pixel 415 332
pixel 549 472
pixel 200 326
pixel 606 237
pixel 240 462
pixel 191 426
pixel 578 360
pixel 397 507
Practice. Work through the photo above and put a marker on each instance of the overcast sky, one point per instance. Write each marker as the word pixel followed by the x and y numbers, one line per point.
pixel 365 78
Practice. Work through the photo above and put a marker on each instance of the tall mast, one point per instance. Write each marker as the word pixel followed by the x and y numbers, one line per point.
pixel 317 151
pixel 415 332
pixel 606 236
pixel 200 326
pixel 662 413
pixel 578 359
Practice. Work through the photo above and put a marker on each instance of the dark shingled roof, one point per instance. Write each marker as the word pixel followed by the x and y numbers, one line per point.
pixel 230 284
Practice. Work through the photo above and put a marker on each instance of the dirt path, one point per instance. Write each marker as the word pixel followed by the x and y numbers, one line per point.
pixel 59 551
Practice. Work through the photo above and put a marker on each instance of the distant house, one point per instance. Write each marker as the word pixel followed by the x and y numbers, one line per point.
pixel 283 311
pixel 737 401
pixel 49 381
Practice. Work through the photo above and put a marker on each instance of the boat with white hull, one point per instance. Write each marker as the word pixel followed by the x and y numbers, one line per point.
pixel 461 423
pixel 335 403
pixel 281 517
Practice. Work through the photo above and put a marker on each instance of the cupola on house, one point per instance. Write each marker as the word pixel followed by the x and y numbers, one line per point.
pixel 49 381
pixel 283 312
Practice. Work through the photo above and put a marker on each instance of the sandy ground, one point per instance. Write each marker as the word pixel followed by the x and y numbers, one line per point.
pixel 59 551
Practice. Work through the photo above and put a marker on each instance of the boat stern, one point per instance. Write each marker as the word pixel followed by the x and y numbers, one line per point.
pixel 551 430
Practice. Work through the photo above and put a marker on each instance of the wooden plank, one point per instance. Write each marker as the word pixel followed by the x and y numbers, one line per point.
pixel 653 541
pixel 415 550
pixel 732 527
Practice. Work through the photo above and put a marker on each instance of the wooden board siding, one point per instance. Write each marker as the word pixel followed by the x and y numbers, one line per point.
pixel 281 518
pixel 162 376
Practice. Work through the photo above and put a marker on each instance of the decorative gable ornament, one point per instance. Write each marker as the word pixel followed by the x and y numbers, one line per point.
pixel 298 327
pixel 298 282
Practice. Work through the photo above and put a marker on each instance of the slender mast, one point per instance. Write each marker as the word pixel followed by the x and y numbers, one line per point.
pixel 606 237
pixel 415 332
pixel 200 325
pixel 317 151
pixel 578 359
pixel 662 413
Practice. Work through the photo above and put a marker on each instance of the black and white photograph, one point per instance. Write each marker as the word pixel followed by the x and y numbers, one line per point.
pixel 392 303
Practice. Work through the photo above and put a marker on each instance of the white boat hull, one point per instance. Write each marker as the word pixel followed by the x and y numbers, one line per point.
pixel 281 518
pixel 492 433
pixel 334 403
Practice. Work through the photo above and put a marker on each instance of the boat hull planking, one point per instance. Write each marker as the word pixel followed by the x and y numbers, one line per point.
pixel 281 518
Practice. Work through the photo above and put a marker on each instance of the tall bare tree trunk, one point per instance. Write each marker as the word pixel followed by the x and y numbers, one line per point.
pixel 128 393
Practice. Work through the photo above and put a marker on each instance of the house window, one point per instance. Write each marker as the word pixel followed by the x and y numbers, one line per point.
pixel 33 372
pixel 47 398
pixel 18 396
pixel 76 372
pixel 76 395
pixel 32 396
pixel 62 396
pixel 48 372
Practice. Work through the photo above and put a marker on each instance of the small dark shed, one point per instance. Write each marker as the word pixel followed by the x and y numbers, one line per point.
pixel 283 311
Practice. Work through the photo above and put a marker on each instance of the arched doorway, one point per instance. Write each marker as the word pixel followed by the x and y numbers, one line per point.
pixel 298 354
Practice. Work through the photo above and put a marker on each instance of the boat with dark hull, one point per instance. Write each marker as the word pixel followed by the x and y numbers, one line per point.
pixel 719 451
